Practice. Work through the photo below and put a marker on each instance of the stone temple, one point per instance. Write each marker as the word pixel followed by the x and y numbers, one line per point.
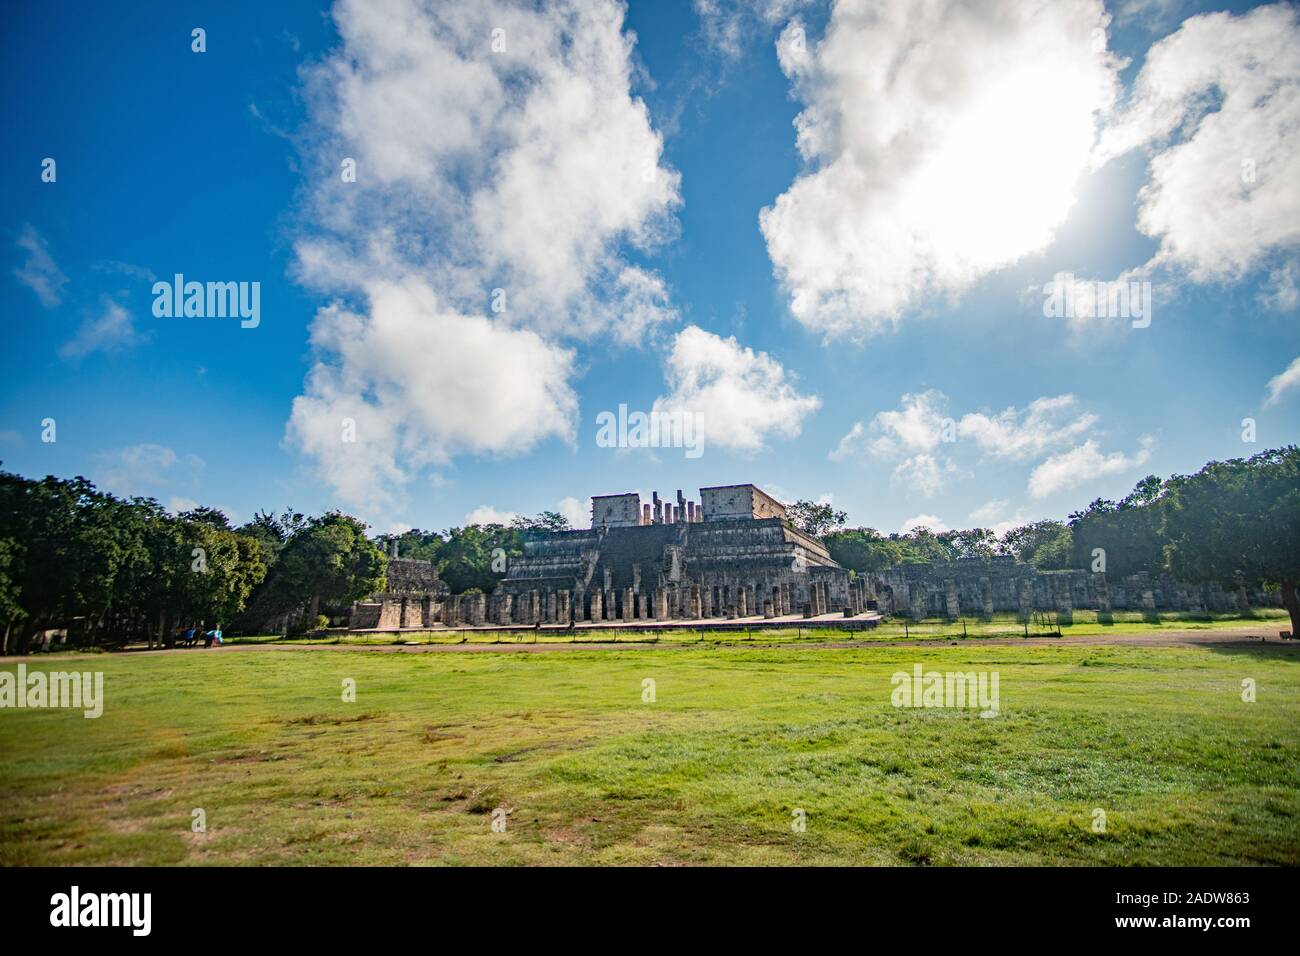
pixel 730 555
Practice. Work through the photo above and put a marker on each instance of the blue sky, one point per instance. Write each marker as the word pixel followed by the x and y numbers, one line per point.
pixel 918 221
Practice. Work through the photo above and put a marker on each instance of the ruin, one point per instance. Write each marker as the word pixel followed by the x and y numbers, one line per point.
pixel 731 555
pixel 734 556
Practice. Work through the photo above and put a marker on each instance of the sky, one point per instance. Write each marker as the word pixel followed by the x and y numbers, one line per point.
pixel 831 241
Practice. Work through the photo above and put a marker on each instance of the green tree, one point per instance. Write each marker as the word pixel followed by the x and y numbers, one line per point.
pixel 546 521
pixel 1127 532
pixel 329 561
pixel 1047 545
pixel 467 557
pixel 864 549
pixel 1238 522
pixel 815 518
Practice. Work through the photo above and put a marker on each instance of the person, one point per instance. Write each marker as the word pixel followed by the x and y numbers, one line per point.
pixel 189 636
pixel 212 636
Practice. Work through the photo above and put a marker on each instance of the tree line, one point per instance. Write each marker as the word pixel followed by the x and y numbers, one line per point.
pixel 1235 523
pixel 113 570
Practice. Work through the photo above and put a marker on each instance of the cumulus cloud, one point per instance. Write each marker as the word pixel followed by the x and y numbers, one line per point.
pixel 486 514
pixel 728 25
pixel 1283 382
pixel 1082 464
pixel 578 513
pixel 1218 105
pixel 109 331
pixel 933 522
pixel 502 167
pixel 39 272
pixel 743 397
pixel 1020 435
pixel 410 382
pixel 497 145
pixel 917 425
pixel 943 142
pixel 145 469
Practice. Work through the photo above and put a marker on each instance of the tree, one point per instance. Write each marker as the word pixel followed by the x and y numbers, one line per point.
pixel 1127 532
pixel 815 518
pixel 1238 522
pixel 467 557
pixel 977 543
pixel 1047 545
pixel 546 521
pixel 329 561
pixel 864 549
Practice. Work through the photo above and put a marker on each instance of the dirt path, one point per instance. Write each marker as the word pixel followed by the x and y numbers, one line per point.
pixel 1221 637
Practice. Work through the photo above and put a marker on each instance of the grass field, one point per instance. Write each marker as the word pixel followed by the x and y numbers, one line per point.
pixel 1001 626
pixel 712 771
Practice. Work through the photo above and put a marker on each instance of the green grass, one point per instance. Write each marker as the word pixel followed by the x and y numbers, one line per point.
pixel 710 772
pixel 1002 626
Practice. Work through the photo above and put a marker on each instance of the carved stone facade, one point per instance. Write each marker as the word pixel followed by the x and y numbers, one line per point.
pixel 976 588
pixel 732 555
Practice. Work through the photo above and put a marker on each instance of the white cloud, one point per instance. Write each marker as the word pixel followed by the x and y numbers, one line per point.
pixel 913 432
pixel 916 426
pixel 742 396
pixel 933 522
pixel 486 514
pixel 921 473
pixel 1281 292
pixel 1283 382
pixel 1218 104
pixel 145 469
pixel 1020 435
pixel 39 272
pixel 1082 464
pixel 110 331
pixel 990 511
pixel 728 24
pixel 943 142
pixel 524 167
pixel 422 384
pixel 503 164
pixel 579 514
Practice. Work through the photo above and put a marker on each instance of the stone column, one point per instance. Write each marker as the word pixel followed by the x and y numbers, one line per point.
pixel 477 609
pixel 452 610
pixel 917 600
pixel 565 610
pixel 505 608
pixel 552 607
pixel 952 605
pixel 1026 601
pixel 776 600
pixel 1064 606
pixel 1149 605
pixel 787 607
pixel 741 604
pixel 597 613
pixel 695 609
pixel 767 609
pixel 1104 615
pixel 629 604
pixel 706 602
pixel 986 598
